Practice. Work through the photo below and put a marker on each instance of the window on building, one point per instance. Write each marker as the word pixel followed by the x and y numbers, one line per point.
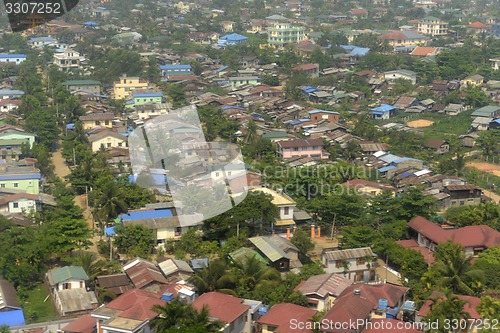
pixel 108 144
pixel 81 284
pixel 2 185
pixel 287 210
pixel 15 205
pixel 106 122
pixel 120 144
pixel 16 184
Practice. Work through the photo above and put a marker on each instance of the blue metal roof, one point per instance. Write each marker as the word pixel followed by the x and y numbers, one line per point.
pixel 146 214
pixel 296 122
pixel 11 92
pixel 359 52
pixel 387 168
pixel 147 95
pixel 92 23
pixel 12 55
pixel 389 158
pixel 70 126
pixel 496 121
pixel 322 111
pixel 12 318
pixel 309 89
pixel 110 231
pixel 199 263
pixel 226 107
pixel 384 108
pixel 43 39
pixel 348 47
pixel 221 69
pixel 234 37
pixel 175 67
pixel 21 176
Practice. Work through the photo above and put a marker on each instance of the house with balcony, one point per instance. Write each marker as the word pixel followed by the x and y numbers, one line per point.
pixel 355 264
pixel 282 34
pixel 322 290
pixel 474 238
pixel 107 139
pixel 68 287
pixel 67 61
pixel 97 119
pixel 12 58
pixel 432 26
pixel 124 87
pixel 301 148
pixel 286 206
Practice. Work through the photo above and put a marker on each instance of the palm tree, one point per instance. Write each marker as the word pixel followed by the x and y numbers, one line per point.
pixel 177 314
pixel 251 136
pixel 215 277
pixel 446 307
pixel 109 202
pixel 454 268
pixel 253 274
pixel 88 261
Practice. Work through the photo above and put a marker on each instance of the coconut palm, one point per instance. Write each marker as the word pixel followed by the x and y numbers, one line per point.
pixel 454 268
pixel 253 274
pixel 179 315
pixel 215 277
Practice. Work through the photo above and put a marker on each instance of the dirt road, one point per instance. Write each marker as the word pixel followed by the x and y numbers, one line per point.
pixel 494 169
pixel 61 169
pixel 493 196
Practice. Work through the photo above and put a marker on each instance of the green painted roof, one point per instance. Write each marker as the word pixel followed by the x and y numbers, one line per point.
pixel 268 248
pixel 68 273
pixel 275 134
pixel 243 253
pixel 81 83
pixel 485 111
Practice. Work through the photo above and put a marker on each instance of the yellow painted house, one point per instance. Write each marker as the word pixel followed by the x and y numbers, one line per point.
pixel 124 87
pixel 403 38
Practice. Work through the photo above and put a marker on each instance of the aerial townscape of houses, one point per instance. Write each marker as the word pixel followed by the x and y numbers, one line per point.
pixel 310 111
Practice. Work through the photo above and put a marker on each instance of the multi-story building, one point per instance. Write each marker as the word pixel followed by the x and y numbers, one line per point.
pixel 432 26
pixel 67 61
pixel 123 88
pixel 280 35
pixel 301 148
pixel 24 178
pixel 141 98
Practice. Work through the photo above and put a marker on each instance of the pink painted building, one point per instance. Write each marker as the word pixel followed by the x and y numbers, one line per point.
pixel 301 148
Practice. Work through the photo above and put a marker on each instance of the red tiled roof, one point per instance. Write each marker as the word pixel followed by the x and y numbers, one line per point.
pixel 359 11
pixel 143 310
pixel 412 244
pixel 470 307
pixel 477 25
pixel 281 315
pixel 305 67
pixel 422 51
pixel 84 324
pixel 17 196
pixel 347 309
pixel 386 325
pixel 10 101
pixel 470 236
pixel 374 292
pixel 131 298
pixel 224 307
pixel 394 35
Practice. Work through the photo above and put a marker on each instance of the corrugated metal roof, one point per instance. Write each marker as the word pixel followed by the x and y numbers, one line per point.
pixel 325 284
pixel 270 250
pixel 172 266
pixel 66 273
pixel 361 252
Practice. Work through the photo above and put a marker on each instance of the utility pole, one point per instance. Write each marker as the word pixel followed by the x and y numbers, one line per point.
pixel 238 229
pixel 111 248
pixel 333 225
pixel 74 156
